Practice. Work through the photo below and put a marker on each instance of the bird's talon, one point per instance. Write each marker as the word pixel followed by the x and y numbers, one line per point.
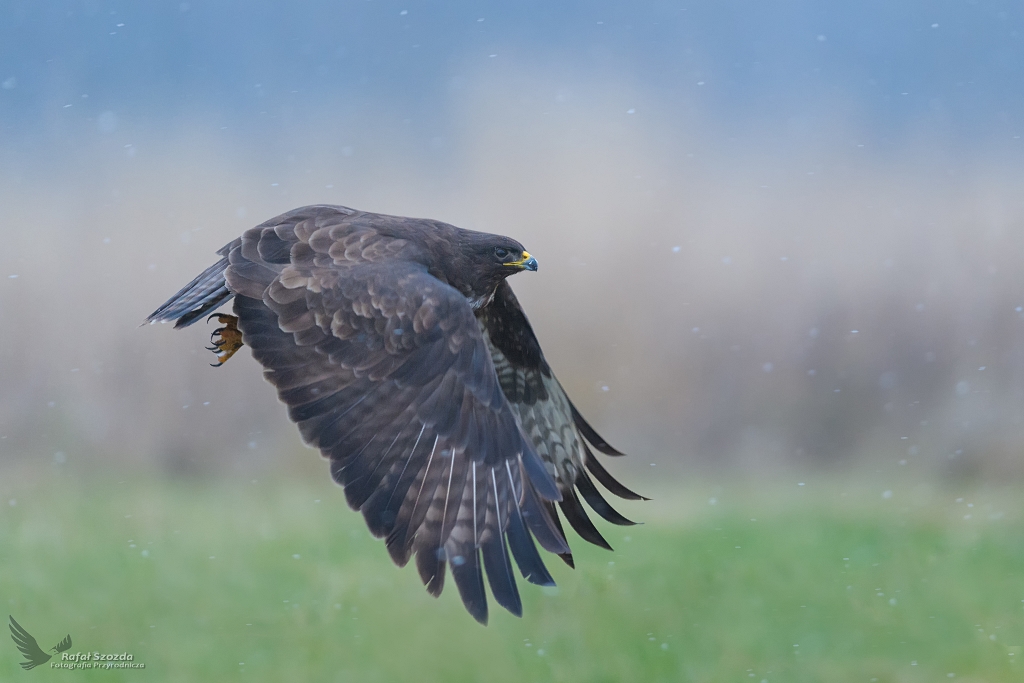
pixel 226 340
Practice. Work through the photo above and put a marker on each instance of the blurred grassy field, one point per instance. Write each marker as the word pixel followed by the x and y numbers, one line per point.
pixel 278 581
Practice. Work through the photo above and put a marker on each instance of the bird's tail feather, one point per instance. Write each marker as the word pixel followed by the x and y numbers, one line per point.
pixel 202 295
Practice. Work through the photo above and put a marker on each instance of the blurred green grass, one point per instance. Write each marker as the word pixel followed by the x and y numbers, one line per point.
pixel 279 581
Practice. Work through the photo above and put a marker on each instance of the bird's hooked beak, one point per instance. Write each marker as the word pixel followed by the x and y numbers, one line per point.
pixel 526 263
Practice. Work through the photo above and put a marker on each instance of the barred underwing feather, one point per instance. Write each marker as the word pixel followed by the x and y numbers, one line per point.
pixel 559 433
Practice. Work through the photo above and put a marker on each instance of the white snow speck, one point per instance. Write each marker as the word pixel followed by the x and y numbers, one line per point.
pixel 886 494
pixel 631 111
pixel 296 556
pixel 700 82
pixel 403 12
pixel 12 277
pixel 10 83
pixel 712 501
pixel 821 38
pixel 935 25
pixel 675 250
pixel 767 367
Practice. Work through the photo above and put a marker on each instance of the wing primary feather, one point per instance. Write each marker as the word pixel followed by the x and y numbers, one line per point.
pixel 469 580
pixel 431 566
pixel 407 461
pixel 447 495
pixel 378 511
pixel 458 487
pixel 539 476
pixel 589 433
pixel 411 513
pixel 538 517
pixel 338 466
pixel 521 544
pixel 597 502
pixel 553 512
pixel 578 519
pixel 430 554
pixel 497 562
pixel 606 479
pixel 357 497
pixel 476 536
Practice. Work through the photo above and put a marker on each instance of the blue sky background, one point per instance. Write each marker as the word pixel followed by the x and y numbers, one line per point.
pixel 888 68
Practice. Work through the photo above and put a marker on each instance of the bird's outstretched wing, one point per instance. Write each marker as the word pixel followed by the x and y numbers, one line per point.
pixel 64 645
pixel 557 430
pixel 385 369
pixel 28 646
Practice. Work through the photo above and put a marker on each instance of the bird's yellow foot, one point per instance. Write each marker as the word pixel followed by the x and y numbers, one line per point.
pixel 226 340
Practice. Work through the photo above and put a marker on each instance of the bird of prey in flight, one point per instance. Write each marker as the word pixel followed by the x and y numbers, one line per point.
pixel 26 643
pixel 404 357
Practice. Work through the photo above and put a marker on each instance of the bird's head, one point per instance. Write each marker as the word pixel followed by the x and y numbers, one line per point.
pixel 483 261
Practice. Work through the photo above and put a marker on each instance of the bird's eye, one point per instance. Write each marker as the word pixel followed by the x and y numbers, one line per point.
pixel 501 252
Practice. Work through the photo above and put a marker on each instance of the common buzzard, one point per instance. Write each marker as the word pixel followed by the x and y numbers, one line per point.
pixel 403 355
